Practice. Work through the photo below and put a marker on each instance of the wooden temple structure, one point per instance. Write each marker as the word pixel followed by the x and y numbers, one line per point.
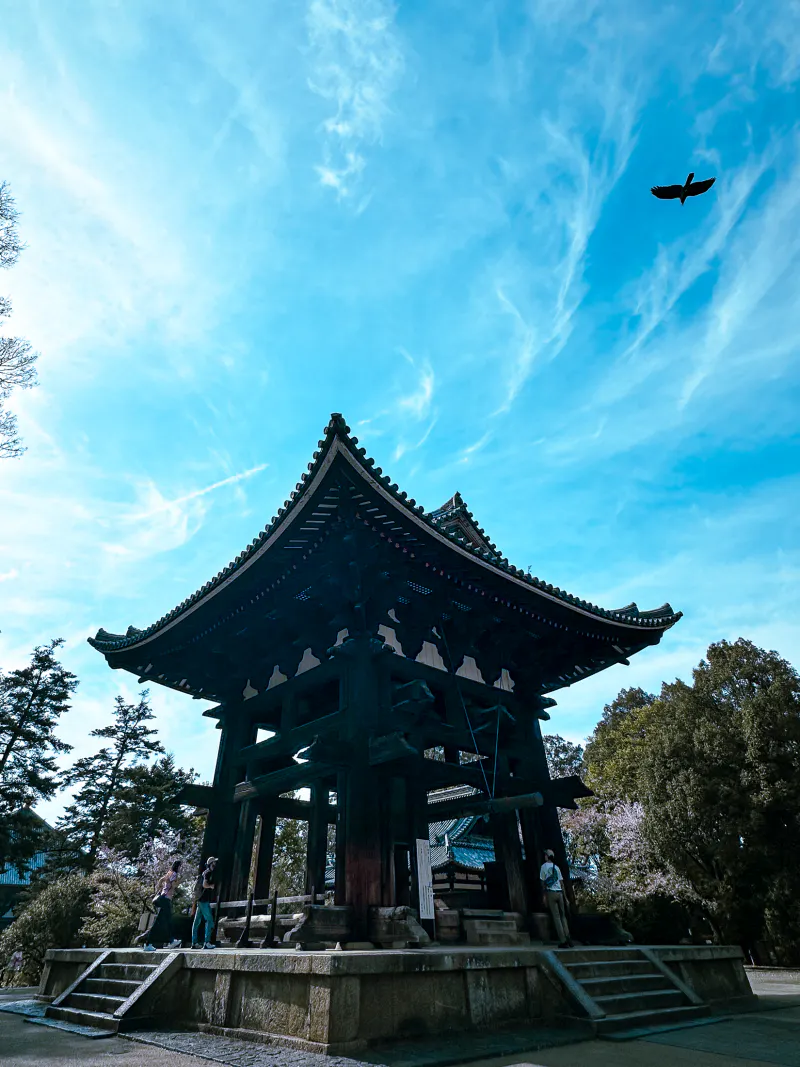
pixel 363 633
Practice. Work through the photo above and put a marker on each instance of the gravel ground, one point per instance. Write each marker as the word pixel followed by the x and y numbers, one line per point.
pixel 238 1053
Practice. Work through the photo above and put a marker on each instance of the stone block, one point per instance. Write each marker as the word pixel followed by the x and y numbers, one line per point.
pixel 396 928
pixel 321 924
pixel 494 932
pixel 448 925
pixel 540 926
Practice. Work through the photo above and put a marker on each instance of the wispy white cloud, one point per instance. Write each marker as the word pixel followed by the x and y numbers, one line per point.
pixel 157 503
pixel 418 403
pixel 764 254
pixel 476 446
pixel 356 63
pixel 579 147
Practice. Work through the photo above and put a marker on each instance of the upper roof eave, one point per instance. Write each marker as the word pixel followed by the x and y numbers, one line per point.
pixel 337 439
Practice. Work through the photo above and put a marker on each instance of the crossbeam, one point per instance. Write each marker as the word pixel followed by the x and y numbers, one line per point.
pixel 277 782
pixel 291 742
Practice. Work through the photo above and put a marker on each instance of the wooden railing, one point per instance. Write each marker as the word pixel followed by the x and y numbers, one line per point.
pixel 269 939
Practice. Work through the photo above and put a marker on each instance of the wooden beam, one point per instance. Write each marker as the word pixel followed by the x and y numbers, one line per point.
pixel 282 781
pixel 290 743
pixel 436 774
pixel 287 808
pixel 272 699
pixel 480 804
pixel 408 669
pixel 197 796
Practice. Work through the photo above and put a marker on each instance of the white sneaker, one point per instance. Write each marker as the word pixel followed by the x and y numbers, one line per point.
pixel 175 944
pixel 149 948
pixel 208 945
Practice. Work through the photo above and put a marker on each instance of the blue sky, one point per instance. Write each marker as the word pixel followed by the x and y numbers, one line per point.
pixel 434 217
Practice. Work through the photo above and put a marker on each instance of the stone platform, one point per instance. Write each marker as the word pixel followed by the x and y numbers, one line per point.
pixel 340 1003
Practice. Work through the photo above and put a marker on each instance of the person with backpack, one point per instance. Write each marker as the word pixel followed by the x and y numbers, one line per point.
pixel 553 885
pixel 160 933
pixel 204 889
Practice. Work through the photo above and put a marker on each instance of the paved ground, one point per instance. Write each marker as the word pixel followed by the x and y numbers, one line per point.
pixel 769 1036
pixel 23 1045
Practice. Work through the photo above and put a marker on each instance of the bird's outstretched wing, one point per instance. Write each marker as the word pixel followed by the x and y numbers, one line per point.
pixel 667 192
pixel 700 187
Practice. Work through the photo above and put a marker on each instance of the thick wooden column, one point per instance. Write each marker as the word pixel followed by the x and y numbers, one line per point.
pixel 317 848
pixel 541 828
pixel 534 852
pixel 223 818
pixel 266 849
pixel 508 854
pixel 340 888
pixel 242 851
pixel 362 845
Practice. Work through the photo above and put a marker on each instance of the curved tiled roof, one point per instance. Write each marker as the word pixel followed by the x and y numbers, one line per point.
pixel 657 619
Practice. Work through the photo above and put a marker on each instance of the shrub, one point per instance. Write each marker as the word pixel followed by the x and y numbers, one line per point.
pixel 52 919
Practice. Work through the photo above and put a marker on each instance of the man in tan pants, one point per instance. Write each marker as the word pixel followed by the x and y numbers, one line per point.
pixel 553 885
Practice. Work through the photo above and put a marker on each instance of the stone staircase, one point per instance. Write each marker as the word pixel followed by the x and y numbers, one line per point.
pixel 625 991
pixel 107 996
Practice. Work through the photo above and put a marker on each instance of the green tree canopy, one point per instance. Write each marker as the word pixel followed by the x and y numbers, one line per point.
pixel 32 700
pixel 564 758
pixel 100 777
pixel 146 807
pixel 613 753
pixel 708 777
pixel 17 362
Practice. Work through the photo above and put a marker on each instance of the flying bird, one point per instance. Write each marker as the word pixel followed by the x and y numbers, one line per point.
pixel 680 192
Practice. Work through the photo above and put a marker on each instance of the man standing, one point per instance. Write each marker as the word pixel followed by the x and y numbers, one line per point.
pixel 204 896
pixel 553 885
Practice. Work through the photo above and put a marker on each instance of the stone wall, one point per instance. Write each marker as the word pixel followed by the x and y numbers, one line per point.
pixel 340 1002
pixel 715 972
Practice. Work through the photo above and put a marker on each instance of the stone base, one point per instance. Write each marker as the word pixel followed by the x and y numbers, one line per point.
pixel 341 1002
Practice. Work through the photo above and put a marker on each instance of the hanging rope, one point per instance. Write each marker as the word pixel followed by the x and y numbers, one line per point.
pixel 466 715
pixel 496 749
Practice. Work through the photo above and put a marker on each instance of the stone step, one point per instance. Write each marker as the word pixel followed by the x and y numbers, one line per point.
pixel 613 985
pixel 106 1005
pixel 96 1019
pixel 494 932
pixel 580 971
pixel 136 972
pixel 569 956
pixel 655 1000
pixel 114 987
pixel 632 1024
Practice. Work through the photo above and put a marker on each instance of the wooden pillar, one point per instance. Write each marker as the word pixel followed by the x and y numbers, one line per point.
pixel 508 854
pixel 340 887
pixel 541 828
pixel 242 851
pixel 223 818
pixel 402 875
pixel 364 784
pixel 534 851
pixel 362 847
pixel 317 848
pixel 266 849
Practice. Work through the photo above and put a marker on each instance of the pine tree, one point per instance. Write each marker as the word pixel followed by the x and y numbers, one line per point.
pixel 32 700
pixel 101 777
pixel 147 808
pixel 17 362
